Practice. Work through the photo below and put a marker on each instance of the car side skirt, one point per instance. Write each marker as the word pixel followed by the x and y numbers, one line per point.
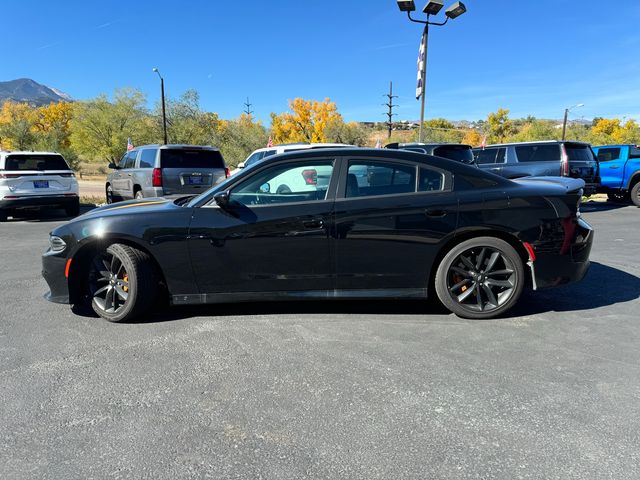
pixel 208 298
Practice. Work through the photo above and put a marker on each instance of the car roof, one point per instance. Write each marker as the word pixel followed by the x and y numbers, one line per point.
pixel 535 142
pixel 23 152
pixel 177 146
pixel 300 146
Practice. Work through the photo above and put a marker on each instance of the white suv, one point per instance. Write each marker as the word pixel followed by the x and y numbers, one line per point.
pixel 36 180
pixel 261 153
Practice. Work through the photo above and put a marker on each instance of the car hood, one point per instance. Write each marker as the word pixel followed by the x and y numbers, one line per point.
pixel 131 207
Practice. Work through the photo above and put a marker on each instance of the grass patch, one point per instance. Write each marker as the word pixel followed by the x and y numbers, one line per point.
pixel 91 200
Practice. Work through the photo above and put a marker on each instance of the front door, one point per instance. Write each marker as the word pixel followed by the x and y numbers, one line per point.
pixel 272 236
pixel 390 220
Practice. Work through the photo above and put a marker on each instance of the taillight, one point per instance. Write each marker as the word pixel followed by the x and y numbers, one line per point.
pixel 310 176
pixel 227 172
pixel 156 180
pixel 10 175
pixel 564 162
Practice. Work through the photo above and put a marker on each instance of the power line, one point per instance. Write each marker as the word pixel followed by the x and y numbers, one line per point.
pixel 390 96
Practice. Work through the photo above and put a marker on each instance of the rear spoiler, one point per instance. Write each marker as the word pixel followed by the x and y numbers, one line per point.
pixel 571 185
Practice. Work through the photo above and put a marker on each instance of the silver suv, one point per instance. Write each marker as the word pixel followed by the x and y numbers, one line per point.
pixel 165 171
pixel 33 180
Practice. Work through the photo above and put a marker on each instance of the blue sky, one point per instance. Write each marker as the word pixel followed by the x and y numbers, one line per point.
pixel 532 57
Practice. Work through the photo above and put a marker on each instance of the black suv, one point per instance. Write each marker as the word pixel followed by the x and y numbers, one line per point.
pixel 453 151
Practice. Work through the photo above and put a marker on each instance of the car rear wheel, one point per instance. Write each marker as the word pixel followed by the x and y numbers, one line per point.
pixel 121 283
pixel 109 194
pixel 139 195
pixel 480 278
pixel 635 194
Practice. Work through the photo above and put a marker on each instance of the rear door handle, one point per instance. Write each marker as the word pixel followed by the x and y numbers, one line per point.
pixel 313 224
pixel 435 213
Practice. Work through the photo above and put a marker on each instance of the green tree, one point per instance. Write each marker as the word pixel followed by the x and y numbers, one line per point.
pixel 100 127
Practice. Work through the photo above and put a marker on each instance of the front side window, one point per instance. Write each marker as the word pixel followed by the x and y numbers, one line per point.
pixel 129 161
pixel 255 158
pixel 486 156
pixel 366 179
pixel 634 152
pixel 538 153
pixel 288 183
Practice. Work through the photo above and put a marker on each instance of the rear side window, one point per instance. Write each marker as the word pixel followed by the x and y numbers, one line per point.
pixel 608 154
pixel 148 158
pixel 538 153
pixel 35 162
pixel 173 158
pixel 634 152
pixel 581 153
pixel 452 152
pixel 430 180
pixel 366 179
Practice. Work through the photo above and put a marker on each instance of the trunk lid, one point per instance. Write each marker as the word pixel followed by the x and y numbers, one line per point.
pixel 190 171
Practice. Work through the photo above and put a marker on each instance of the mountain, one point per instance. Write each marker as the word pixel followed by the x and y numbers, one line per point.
pixel 30 91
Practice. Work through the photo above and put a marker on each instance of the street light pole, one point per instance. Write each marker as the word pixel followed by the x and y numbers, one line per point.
pixel 431 8
pixel 566 118
pixel 164 112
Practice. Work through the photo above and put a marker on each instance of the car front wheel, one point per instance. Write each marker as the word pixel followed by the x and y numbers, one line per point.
pixel 109 194
pixel 635 194
pixel 480 278
pixel 122 283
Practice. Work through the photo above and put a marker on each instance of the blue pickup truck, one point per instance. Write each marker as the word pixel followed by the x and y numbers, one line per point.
pixel 620 172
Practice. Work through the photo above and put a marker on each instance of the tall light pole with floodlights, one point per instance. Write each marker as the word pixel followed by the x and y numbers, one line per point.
pixel 164 113
pixel 432 7
pixel 566 117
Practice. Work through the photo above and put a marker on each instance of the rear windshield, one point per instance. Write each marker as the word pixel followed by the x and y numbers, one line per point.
pixel 460 154
pixel 35 162
pixel 191 159
pixel 580 153
pixel 538 153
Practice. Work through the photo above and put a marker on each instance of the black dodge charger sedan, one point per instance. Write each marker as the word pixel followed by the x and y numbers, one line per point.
pixel 329 224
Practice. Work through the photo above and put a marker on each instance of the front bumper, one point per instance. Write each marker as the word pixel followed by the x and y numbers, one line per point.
pixel 570 263
pixel 53 269
pixel 39 201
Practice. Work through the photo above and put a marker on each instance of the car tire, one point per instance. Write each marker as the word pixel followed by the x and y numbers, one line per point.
pixel 109 194
pixel 139 195
pixel 635 194
pixel 618 197
pixel 122 283
pixel 3 215
pixel 487 283
pixel 282 189
pixel 73 210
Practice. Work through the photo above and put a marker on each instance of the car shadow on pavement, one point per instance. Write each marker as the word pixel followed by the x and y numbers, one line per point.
pixel 602 286
pixel 47 215
pixel 604 206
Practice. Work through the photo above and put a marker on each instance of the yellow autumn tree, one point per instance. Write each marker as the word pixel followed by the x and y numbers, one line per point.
pixel 307 121
pixel 16 126
pixel 51 125
pixel 472 137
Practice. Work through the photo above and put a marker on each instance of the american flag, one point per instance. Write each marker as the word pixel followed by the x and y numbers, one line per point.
pixel 270 142
pixel 129 144
pixel 378 144
pixel 484 142
pixel 421 60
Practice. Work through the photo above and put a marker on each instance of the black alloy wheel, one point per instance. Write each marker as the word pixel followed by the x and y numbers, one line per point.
pixel 480 278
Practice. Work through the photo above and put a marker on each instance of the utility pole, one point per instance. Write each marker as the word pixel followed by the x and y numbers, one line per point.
pixel 164 111
pixel 390 96
pixel 247 107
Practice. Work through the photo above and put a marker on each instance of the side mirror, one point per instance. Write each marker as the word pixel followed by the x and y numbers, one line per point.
pixel 265 188
pixel 113 166
pixel 222 199
pixel 241 165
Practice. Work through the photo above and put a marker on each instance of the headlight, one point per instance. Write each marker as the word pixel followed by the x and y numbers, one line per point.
pixel 56 244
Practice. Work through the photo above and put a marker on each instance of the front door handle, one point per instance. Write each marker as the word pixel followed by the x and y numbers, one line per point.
pixel 435 213
pixel 613 167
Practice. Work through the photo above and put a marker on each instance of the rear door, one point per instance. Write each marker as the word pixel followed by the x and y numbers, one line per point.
pixel 37 174
pixel 612 161
pixel 190 170
pixel 389 225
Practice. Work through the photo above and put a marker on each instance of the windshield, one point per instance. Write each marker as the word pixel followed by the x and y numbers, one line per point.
pixel 173 158
pixel 35 162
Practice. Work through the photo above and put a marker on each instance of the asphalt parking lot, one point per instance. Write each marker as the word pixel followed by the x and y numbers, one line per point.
pixel 326 390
